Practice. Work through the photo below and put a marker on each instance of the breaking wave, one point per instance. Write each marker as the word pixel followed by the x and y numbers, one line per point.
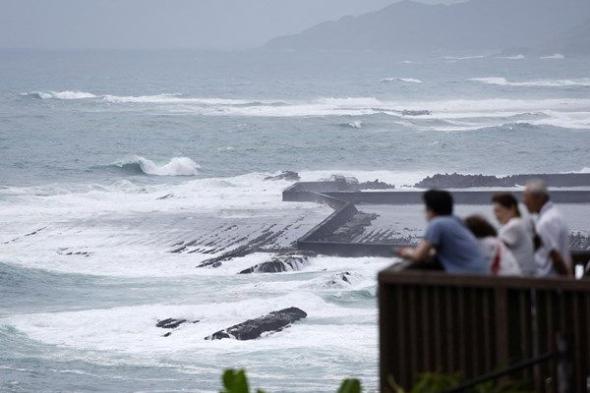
pixel 435 115
pixel 499 81
pixel 456 58
pixel 515 57
pixel 357 124
pixel 177 166
pixel 555 56
pixel 405 80
pixel 59 95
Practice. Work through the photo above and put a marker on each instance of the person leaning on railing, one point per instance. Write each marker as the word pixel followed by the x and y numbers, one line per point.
pixel 447 240
pixel 515 231
pixel 552 253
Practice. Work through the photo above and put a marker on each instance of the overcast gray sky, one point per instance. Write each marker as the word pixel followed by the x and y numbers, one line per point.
pixel 205 24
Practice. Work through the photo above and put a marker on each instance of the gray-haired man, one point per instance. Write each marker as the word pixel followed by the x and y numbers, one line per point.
pixel 552 255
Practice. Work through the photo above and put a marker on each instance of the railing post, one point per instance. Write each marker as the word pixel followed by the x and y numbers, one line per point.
pixel 564 365
pixel 502 326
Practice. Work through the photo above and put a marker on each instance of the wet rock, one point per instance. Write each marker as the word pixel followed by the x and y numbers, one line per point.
pixel 349 181
pixel 171 324
pixel 254 328
pixel 278 264
pixel 163 197
pixel 376 185
pixel 456 180
pixel 416 112
pixel 285 175
pixel 344 279
pixel 579 241
pixel 64 251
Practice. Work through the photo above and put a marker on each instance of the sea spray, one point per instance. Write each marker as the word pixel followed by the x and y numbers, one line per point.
pixel 177 166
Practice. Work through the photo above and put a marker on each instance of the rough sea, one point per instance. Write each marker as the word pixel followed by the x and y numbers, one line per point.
pixel 111 159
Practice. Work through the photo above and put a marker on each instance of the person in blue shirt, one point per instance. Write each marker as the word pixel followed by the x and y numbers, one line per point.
pixel 447 240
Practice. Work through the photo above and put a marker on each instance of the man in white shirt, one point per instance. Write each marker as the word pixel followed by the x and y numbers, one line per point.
pixel 552 255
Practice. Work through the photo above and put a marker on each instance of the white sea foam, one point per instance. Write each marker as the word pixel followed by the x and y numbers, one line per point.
pixel 405 80
pixel 177 166
pixel 357 124
pixel 458 58
pixel 435 115
pixel 128 329
pixel 514 57
pixel 60 95
pixel 555 56
pixel 580 82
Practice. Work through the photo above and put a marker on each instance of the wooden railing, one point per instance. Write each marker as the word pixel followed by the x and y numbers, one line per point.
pixel 436 322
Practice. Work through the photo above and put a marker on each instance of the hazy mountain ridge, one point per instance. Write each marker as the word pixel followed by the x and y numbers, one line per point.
pixel 409 26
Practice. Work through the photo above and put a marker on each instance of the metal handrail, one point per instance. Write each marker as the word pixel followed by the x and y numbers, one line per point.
pixel 492 376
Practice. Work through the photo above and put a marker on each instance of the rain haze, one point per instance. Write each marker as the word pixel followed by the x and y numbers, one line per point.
pixel 153 24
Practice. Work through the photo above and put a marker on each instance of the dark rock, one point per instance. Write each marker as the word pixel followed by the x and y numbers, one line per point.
pixel 254 328
pixel 375 185
pixel 281 263
pixel 172 323
pixel 285 175
pixel 456 180
pixel 349 181
pixel 341 279
pixel 416 113
pixel 579 241
pixel 163 197
pixel 64 251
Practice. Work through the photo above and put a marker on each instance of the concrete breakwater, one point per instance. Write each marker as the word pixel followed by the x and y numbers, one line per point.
pixel 354 227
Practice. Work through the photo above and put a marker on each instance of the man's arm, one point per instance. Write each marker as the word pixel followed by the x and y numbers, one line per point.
pixel 421 253
pixel 560 265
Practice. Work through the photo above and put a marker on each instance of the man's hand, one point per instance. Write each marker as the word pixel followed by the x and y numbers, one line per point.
pixel 406 253
pixel 418 254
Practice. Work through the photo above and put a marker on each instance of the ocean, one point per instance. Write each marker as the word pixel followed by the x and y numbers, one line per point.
pixel 111 159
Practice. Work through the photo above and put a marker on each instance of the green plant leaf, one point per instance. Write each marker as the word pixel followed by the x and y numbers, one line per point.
pixel 350 386
pixel 435 383
pixel 235 382
pixel 393 386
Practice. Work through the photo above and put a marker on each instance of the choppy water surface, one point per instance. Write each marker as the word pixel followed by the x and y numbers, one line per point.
pixel 110 159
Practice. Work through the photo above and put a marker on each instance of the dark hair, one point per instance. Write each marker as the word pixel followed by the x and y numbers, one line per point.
pixel 439 202
pixel 480 227
pixel 507 200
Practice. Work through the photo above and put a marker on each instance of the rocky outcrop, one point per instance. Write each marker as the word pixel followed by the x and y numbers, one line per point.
pixel 342 280
pixel 254 328
pixel 423 112
pixel 456 180
pixel 172 323
pixel 285 175
pixel 375 185
pixel 280 263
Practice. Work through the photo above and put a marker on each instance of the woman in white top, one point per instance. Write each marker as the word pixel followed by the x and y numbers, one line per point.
pixel 500 259
pixel 515 232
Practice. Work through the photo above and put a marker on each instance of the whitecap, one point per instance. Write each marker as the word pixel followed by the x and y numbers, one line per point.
pixel 515 57
pixel 500 81
pixel 458 58
pixel 177 166
pixel 355 124
pixel 60 95
pixel 555 56
pixel 406 80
